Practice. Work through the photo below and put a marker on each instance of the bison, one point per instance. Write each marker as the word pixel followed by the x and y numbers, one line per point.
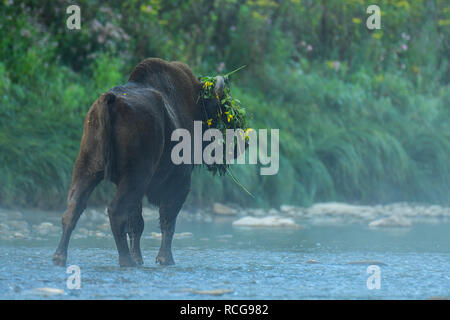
pixel 127 140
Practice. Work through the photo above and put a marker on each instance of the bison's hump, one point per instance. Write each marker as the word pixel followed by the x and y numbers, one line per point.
pixel 157 66
pixel 167 77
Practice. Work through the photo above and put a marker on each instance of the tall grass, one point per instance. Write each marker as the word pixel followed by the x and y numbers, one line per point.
pixel 340 139
pixel 362 118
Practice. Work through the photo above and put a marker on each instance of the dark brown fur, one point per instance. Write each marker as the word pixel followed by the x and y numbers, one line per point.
pixel 126 140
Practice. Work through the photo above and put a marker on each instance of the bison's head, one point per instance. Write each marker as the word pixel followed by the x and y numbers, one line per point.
pixel 214 111
pixel 211 107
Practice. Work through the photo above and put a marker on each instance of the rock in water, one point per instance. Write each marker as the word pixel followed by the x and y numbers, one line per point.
pixel 150 213
pixel 341 209
pixel 287 208
pixel 312 261
pixel 221 209
pixel 46 228
pixel 48 291
pixel 157 235
pixel 271 221
pixel 368 262
pixel 214 292
pixel 393 221
pixel 15 230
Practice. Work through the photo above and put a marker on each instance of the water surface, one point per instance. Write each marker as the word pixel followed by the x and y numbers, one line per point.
pixel 310 263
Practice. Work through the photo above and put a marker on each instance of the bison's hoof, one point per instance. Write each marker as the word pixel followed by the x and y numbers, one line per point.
pixel 164 260
pixel 59 260
pixel 127 262
pixel 138 260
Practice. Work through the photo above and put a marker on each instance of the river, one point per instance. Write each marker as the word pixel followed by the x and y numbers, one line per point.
pixel 216 260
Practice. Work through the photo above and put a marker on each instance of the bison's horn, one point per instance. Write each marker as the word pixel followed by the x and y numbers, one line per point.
pixel 220 84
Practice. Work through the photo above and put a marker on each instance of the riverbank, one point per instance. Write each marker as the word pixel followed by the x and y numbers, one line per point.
pixel 30 224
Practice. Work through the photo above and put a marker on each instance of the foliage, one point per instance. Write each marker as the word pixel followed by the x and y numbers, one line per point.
pixel 229 116
pixel 363 114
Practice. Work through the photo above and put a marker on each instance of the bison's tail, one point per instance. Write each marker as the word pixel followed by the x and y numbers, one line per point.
pixel 106 130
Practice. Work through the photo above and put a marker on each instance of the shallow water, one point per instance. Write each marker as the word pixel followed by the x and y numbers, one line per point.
pixel 253 263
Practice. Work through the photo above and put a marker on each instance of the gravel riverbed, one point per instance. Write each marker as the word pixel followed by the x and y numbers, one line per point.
pixel 37 224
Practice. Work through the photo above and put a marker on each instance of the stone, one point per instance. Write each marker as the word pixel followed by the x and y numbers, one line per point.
pixel 48 291
pixel 99 234
pixel 256 212
pixel 150 213
pixel 287 208
pixel 222 209
pixel 46 228
pixel 312 261
pixel 367 262
pixel 341 209
pixel 271 221
pixel 19 235
pixel 393 221
pixel 17 230
pixel 157 235
pixel 214 292
pixel 105 227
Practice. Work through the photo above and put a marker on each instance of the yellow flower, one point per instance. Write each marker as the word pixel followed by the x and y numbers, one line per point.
pixel 207 84
pixel 377 35
pixel 330 64
pixel 356 20
pixel 209 121
pixel 229 117
pixel 124 94
pixel 403 4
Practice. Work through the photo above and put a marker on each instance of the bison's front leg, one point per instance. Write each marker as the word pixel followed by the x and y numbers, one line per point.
pixel 135 229
pixel 168 212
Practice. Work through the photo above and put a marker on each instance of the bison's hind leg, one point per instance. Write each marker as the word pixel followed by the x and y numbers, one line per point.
pixel 125 214
pixel 135 229
pixel 82 186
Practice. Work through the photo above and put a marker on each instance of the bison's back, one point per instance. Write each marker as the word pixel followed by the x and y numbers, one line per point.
pixel 174 80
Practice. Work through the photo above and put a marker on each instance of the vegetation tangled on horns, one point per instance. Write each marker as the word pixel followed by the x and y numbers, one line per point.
pixel 231 116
